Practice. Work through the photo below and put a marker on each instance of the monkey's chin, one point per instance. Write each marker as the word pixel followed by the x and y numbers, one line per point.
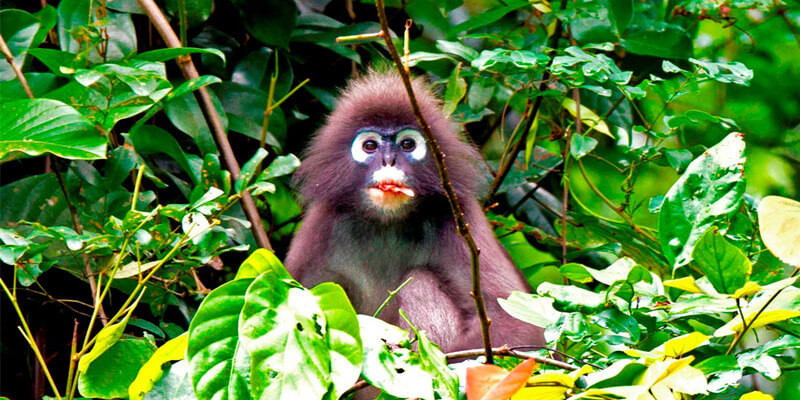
pixel 389 200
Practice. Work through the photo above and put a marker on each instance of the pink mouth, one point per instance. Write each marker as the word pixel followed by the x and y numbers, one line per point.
pixel 394 188
pixel 390 195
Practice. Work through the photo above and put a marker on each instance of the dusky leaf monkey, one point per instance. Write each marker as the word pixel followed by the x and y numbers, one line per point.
pixel 377 215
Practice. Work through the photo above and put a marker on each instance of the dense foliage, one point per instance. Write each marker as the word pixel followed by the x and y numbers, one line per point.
pixel 642 157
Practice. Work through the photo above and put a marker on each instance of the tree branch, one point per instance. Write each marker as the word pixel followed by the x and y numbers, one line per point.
pixel 444 175
pixel 17 71
pixel 189 71
pixel 504 351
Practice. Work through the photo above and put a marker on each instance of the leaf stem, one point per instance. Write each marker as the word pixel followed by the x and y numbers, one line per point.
pixel 392 294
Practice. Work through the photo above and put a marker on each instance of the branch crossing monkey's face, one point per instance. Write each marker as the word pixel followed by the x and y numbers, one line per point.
pixel 389 156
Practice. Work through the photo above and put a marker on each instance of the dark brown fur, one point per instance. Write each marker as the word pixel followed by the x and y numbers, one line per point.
pixel 342 240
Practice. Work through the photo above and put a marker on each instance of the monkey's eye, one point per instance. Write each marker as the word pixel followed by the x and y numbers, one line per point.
pixel 370 146
pixel 408 144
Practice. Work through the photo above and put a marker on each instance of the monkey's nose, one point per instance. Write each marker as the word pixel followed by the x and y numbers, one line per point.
pixel 388 159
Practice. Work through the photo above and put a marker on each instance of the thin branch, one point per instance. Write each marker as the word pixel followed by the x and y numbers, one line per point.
pixel 189 71
pixel 611 205
pixel 444 175
pixel 17 71
pixel 505 351
pixel 87 266
pixel 507 161
pixel 392 294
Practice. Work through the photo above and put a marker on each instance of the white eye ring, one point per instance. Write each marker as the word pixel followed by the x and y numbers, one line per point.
pixel 357 148
pixel 421 146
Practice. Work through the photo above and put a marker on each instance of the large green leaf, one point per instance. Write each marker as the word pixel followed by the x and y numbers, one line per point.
pixel 220 365
pixel 283 329
pixel 343 336
pixel 37 126
pixel 109 376
pixel 707 194
pixel 260 261
pixel 725 266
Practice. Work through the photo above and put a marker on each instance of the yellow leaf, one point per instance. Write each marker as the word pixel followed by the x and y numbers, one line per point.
pixel 764 310
pixel 688 379
pixel 755 396
pixel 750 288
pixel 779 223
pixel 151 372
pixel 588 117
pixel 686 283
pixel 682 344
pixel 133 268
pixel 660 370
pixel 540 393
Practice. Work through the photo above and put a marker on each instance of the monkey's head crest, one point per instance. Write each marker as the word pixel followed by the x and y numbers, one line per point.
pixel 370 156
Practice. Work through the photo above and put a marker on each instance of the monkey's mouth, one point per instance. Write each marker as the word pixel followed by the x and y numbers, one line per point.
pixel 390 194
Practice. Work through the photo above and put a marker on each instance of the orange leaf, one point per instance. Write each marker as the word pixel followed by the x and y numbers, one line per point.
pixel 490 382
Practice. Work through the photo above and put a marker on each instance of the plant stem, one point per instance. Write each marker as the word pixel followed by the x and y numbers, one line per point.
pixel 360 37
pixel 447 185
pixel 189 71
pixel 26 333
pixel 392 294
pixel 612 206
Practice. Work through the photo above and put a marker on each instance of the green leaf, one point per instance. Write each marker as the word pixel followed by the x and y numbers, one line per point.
pixel 110 375
pixel 455 91
pixel 283 328
pixel 281 166
pixel 262 260
pixel 486 18
pixel 726 267
pixel 195 11
pixel 249 169
pixel 457 49
pixel 678 159
pixel 531 308
pixel 581 145
pixel 385 353
pixel 152 371
pixel 619 322
pixel 37 126
pixel 271 22
pixel 343 336
pixel 150 139
pixel 707 194
pixel 659 40
pixel 621 14
pixel 220 365
pixel 73 18
pixel 161 55
pixel 104 340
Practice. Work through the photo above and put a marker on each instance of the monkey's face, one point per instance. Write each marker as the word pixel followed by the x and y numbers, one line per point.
pixel 388 160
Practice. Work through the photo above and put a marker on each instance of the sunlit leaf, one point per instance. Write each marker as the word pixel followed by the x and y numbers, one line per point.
pixel 152 371
pixel 490 382
pixel 779 224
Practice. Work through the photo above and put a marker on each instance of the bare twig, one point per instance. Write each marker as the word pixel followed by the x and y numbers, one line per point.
pixel 505 351
pixel 392 294
pixel 507 161
pixel 87 266
pixel 444 175
pixel 359 37
pixel 186 65
pixel 576 96
pixel 17 71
